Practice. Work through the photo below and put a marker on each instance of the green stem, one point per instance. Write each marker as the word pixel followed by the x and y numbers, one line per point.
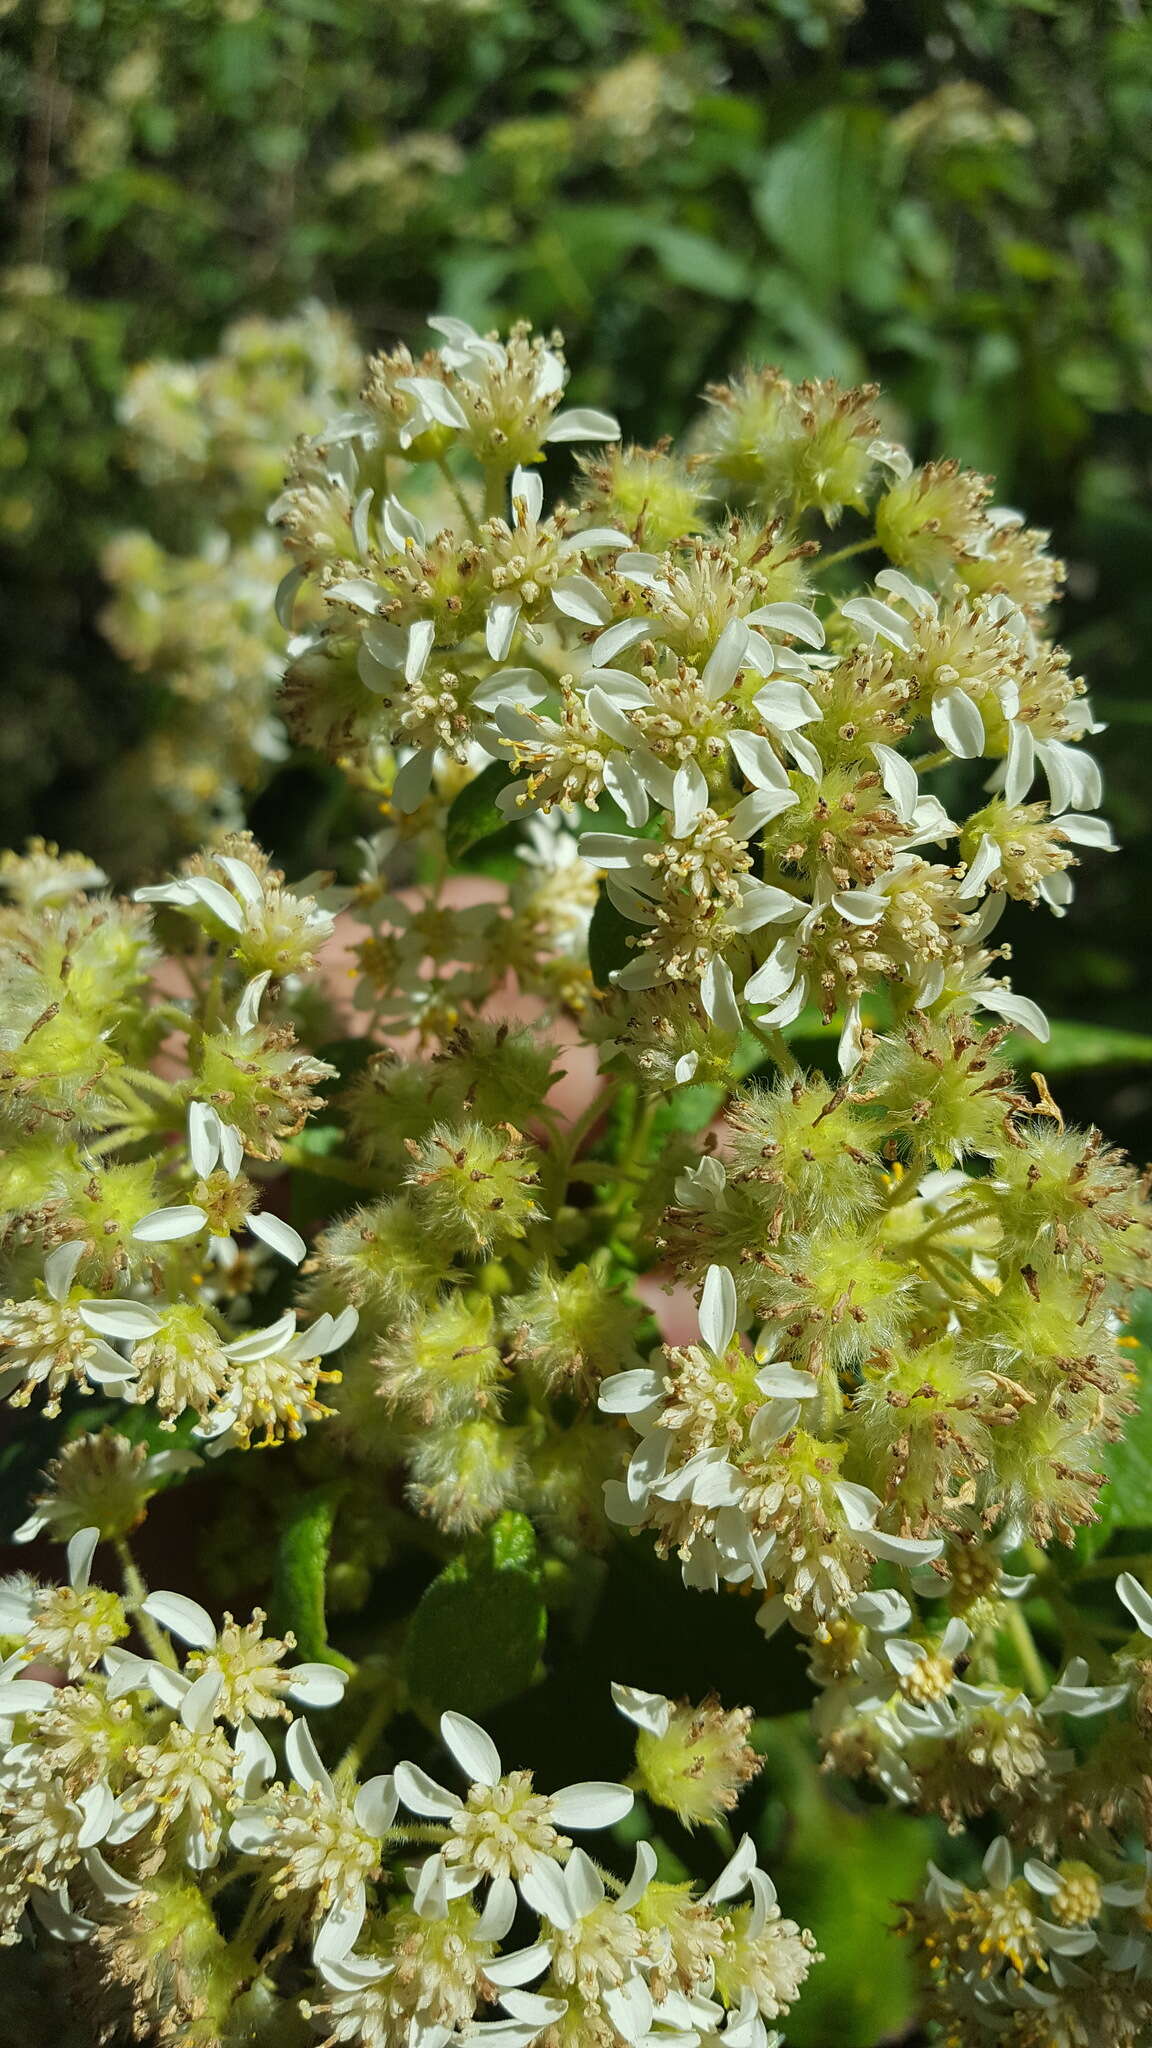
pixel 1024 1644
pixel 564 1167
pixel 857 547
pixel 383 1709
pixel 602 1169
pixel 135 1594
pixel 1080 1638
pixel 457 490
pixel 331 1166
pixel 1110 1567
pixel 495 492
pixel 778 1048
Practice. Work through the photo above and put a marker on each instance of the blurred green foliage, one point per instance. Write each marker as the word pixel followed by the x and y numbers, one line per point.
pixel 952 198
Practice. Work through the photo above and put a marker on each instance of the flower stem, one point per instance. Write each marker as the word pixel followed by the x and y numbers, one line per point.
pixel 135 1594
pixel 1024 1644
pixel 857 547
pixel 457 490
pixel 382 1710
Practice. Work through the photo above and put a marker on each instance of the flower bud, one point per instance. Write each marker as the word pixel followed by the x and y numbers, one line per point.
pixel 443 1366
pixel 694 1760
pixel 100 1482
pixel 261 1082
pixel 462 1474
pixel 646 491
pixel 474 1185
pixel 932 518
pixel 802 446
pixel 572 1329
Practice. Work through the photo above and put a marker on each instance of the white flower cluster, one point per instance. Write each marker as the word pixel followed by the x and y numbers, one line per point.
pixel 105 1751
pixel 119 1773
pixel 198 623
pixel 747 721
pixel 139 1270
pixel 706 1474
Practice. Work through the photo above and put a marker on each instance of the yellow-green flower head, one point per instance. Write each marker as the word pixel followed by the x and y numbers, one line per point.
pixel 802 446
pixel 443 1366
pixel 260 1081
pixel 930 520
pixel 941 1090
pixel 384 1259
pixel 462 1474
pixel 566 1471
pixel 100 1482
pixel 694 1760
pixel 42 877
pixel 571 1329
pixel 476 1186
pixel 648 492
pixel 240 900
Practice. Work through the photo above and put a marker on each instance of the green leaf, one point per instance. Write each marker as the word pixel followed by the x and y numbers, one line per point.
pixel 841 1870
pixel 1126 1500
pixel 690 1108
pixel 301 1568
pixel 1076 1046
pixel 473 815
pixel 820 202
pixel 477 1634
pixel 699 262
pixel 608 935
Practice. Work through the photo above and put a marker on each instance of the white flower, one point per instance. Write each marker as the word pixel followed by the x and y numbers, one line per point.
pixel 275 1374
pixel 326 1840
pixel 265 918
pixel 926 1671
pixel 253 1683
pixel 1072 1695
pixel 69 1626
pixel 213 1143
pixel 503 1829
pixel 58 1337
pixel 594 1947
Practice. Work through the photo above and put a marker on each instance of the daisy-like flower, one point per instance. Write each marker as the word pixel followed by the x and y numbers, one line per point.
pixel 67 1627
pixel 695 892
pixel 765 1956
pixel 593 1947
pixel 926 1671
pixel 273 1377
pixel 185 1782
pixel 708 1475
pixel 513 384
pixel 694 1760
pixel 254 1681
pixel 416 1978
pixel 101 1481
pixel 236 896
pixel 503 1829
pixel 325 1840
pixel 216 1148
pixel 56 1338
pixel 47 1833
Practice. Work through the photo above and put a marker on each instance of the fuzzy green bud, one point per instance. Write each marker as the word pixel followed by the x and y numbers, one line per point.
pixel 474 1186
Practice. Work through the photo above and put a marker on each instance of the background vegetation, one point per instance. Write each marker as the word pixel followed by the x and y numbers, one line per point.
pixel 951 198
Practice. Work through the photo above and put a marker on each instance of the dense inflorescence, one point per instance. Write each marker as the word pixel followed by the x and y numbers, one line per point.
pixel 129 1781
pixel 192 608
pixel 386 1171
